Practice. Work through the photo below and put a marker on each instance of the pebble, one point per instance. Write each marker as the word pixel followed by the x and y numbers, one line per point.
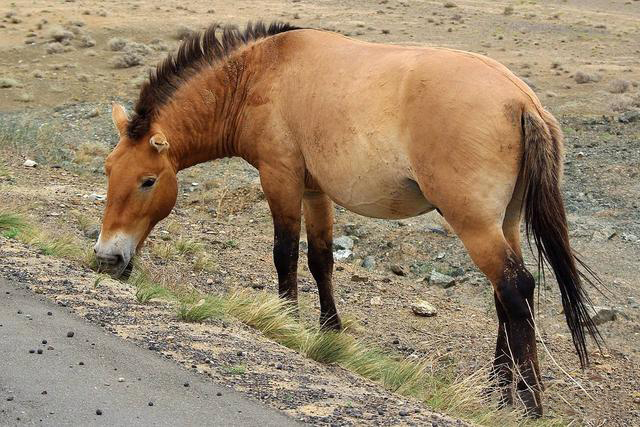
pixel 398 270
pixel 441 280
pixel 32 351
pixel 219 394
pixel 186 384
pixel 150 403
pixel 49 313
pixel 70 334
pixel 44 341
pixel 376 300
pixel 600 315
pixel 30 163
pixel 369 262
pixel 39 351
pixel 120 380
pixel 342 254
pixel 98 412
pixel 343 242
pixel 423 308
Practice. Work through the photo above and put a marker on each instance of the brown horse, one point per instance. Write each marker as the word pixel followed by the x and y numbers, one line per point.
pixel 386 132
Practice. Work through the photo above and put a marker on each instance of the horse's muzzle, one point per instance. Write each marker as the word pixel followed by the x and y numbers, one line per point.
pixel 114 265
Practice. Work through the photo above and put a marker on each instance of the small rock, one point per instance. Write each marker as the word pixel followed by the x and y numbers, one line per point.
pixel 342 255
pixel 600 315
pixel 343 242
pixel 441 280
pixel 369 262
pixel 357 278
pixel 98 412
pixel 376 300
pixel 449 4
pixel 30 163
pixel 423 308
pixel 398 270
pixel 150 404
pixel 120 380
pixel 70 334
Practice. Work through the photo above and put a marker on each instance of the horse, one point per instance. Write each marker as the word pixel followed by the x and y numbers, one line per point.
pixel 384 131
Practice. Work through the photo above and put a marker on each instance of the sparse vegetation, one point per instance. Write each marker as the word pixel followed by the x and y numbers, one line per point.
pixel 202 310
pixel 11 224
pixel 187 246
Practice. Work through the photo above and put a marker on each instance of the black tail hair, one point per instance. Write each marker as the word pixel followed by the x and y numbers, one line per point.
pixel 546 222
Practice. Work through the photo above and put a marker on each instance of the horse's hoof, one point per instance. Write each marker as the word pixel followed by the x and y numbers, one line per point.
pixel 331 323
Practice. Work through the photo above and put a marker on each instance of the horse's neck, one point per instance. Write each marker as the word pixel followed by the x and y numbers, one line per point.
pixel 200 124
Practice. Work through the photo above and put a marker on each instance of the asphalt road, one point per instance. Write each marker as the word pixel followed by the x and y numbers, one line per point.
pixel 116 377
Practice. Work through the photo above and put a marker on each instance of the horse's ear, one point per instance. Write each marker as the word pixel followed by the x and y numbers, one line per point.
pixel 159 142
pixel 120 118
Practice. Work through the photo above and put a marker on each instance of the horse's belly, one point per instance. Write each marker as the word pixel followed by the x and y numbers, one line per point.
pixel 377 197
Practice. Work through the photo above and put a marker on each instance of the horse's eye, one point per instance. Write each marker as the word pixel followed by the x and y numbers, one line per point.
pixel 148 182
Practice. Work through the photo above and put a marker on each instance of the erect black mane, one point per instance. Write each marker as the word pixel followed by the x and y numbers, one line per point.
pixel 196 52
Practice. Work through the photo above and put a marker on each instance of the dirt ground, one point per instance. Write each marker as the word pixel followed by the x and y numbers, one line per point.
pixel 581 57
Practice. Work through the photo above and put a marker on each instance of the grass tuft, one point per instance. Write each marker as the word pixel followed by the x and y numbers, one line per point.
pixel 146 288
pixel 202 310
pixel 11 225
pixel 187 246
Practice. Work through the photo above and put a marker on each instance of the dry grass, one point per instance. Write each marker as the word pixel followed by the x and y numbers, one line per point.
pixel 57 244
pixel 187 246
pixel 431 381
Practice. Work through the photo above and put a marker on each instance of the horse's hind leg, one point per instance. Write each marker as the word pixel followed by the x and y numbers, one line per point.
pixel 502 369
pixel 318 219
pixel 513 286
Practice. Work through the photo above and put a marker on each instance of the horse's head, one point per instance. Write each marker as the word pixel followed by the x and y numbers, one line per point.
pixel 142 190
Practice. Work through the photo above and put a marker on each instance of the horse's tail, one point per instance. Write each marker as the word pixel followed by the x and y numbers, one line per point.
pixel 546 222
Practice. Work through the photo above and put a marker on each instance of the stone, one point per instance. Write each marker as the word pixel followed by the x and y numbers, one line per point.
pixel 369 262
pixel 600 315
pixel 376 300
pixel 30 163
pixel 343 242
pixel 423 308
pixel 342 255
pixel 441 280
pixel 398 270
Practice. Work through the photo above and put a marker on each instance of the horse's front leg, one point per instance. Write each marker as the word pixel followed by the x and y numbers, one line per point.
pixel 284 189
